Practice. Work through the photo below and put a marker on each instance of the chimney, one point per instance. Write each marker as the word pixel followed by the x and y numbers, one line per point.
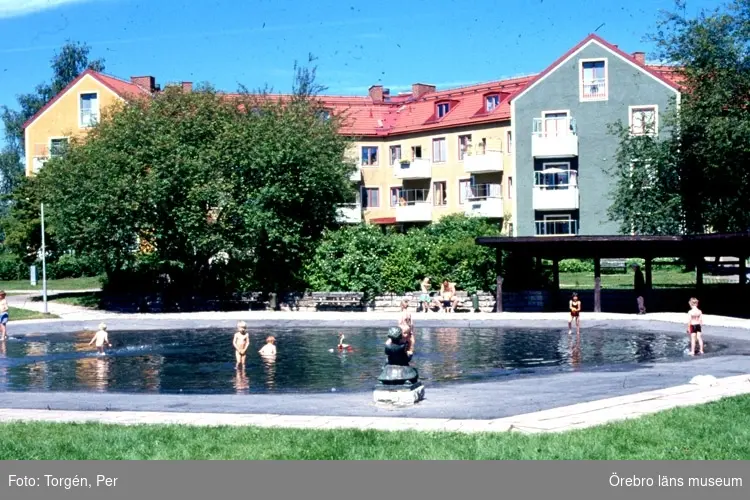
pixel 187 87
pixel 640 57
pixel 420 89
pixel 145 82
pixel 376 93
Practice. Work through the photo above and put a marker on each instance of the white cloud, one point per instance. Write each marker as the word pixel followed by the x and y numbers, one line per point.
pixel 15 8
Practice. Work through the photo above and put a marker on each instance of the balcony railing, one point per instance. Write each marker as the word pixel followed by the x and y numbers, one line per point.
pixel 595 89
pixel 413 196
pixel 89 118
pixel 483 160
pixel 483 191
pixel 356 176
pixel 556 227
pixel 555 189
pixel 554 138
pixel 414 205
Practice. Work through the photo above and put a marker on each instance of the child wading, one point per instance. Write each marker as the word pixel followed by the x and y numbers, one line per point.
pixel 575 314
pixel 695 326
pixel 269 349
pixel 3 316
pixel 101 337
pixel 241 342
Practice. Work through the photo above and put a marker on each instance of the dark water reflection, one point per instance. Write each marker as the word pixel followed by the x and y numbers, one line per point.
pixel 202 361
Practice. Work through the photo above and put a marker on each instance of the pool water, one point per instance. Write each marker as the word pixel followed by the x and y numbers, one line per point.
pixel 202 361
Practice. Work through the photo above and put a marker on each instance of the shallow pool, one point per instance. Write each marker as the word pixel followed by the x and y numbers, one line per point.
pixel 202 361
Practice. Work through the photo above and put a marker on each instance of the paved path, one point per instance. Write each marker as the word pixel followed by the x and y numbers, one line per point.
pixel 31 300
pixel 567 418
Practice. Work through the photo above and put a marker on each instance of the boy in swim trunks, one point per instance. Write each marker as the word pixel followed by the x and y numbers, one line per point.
pixel 695 326
pixel 3 316
pixel 241 342
pixel 101 337
pixel 425 301
pixel 575 314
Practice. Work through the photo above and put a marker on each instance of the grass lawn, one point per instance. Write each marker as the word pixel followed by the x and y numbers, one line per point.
pixel 63 284
pixel 88 299
pixel 662 278
pixel 19 314
pixel 716 431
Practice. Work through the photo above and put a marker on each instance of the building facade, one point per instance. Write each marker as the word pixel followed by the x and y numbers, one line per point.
pixel 531 152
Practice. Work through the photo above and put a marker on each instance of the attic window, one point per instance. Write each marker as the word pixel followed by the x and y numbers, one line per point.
pixel 491 102
pixel 443 108
pixel 324 114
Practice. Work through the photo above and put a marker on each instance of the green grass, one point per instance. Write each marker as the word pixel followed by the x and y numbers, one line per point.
pixel 17 314
pixel 716 431
pixel 63 284
pixel 88 299
pixel 662 278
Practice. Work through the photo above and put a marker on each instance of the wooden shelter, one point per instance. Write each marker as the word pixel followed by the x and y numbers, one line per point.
pixel 555 248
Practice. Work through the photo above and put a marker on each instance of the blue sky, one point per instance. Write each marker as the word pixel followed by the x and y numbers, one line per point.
pixel 256 42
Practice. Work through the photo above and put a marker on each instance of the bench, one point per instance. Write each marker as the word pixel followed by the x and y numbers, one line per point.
pixel 614 265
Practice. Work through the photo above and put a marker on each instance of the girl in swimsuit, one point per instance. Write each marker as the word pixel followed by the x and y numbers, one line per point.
pixel 575 314
pixel 695 326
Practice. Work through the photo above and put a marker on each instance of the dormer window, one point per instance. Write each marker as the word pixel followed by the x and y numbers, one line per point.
pixel 443 108
pixel 324 114
pixel 491 102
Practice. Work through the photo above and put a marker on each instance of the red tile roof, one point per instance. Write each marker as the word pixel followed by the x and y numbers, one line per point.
pixel 403 113
pixel 120 87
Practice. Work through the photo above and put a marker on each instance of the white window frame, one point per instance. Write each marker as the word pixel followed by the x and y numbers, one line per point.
pixel 390 154
pixel 58 138
pixel 559 218
pixel 432 192
pixel 362 197
pixel 470 181
pixel 487 102
pixel 509 141
pixel 461 158
pixel 655 107
pixel 414 152
pixel 437 109
pixel 80 108
pixel 582 97
pixel 362 157
pixel 544 167
pixel 445 150
pixel 390 189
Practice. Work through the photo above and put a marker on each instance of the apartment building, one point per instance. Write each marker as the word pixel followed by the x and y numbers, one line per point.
pixel 532 152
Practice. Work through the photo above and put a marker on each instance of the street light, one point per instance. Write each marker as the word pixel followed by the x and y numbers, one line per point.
pixel 44 265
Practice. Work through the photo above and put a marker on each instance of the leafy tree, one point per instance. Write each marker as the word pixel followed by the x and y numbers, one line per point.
pixel 700 176
pixel 200 191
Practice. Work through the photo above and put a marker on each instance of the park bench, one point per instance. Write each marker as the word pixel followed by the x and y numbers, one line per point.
pixel 614 265
pixel 332 300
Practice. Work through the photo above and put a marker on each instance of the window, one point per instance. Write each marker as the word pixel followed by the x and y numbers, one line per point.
pixel 324 114
pixel 369 156
pixel 509 139
pixel 439 195
pixel 555 123
pixel 89 109
pixel 416 152
pixel 395 195
pixel 510 188
pixel 464 187
pixel 594 80
pixel 438 150
pixel 464 145
pixel 395 154
pixel 556 176
pixel 557 224
pixel 57 147
pixel 643 120
pixel 443 108
pixel 491 102
pixel 370 197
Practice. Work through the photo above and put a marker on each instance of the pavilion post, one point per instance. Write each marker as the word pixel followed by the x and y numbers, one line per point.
pixel 556 274
pixel 743 270
pixel 499 290
pixel 597 285
pixel 649 279
pixel 699 265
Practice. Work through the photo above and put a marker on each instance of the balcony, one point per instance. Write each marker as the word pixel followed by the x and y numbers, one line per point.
pixel 483 162
pixel 349 213
pixel 556 189
pixel 356 176
pixel 419 168
pixel 485 200
pixel 414 205
pixel 556 227
pixel 554 140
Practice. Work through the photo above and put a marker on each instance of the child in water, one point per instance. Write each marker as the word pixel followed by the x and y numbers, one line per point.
pixel 3 316
pixel 695 326
pixel 269 349
pixel 240 342
pixel 575 313
pixel 101 337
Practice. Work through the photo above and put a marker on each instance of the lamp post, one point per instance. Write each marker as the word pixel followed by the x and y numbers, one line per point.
pixel 44 265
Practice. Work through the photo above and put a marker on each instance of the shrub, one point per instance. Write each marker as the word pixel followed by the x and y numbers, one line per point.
pixel 576 266
pixel 12 268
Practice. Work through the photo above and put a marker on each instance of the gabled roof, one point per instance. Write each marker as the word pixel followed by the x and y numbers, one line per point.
pixel 120 87
pixel 658 74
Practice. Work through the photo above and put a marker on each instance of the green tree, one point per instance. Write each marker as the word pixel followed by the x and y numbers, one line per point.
pixel 200 192
pixel 700 179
